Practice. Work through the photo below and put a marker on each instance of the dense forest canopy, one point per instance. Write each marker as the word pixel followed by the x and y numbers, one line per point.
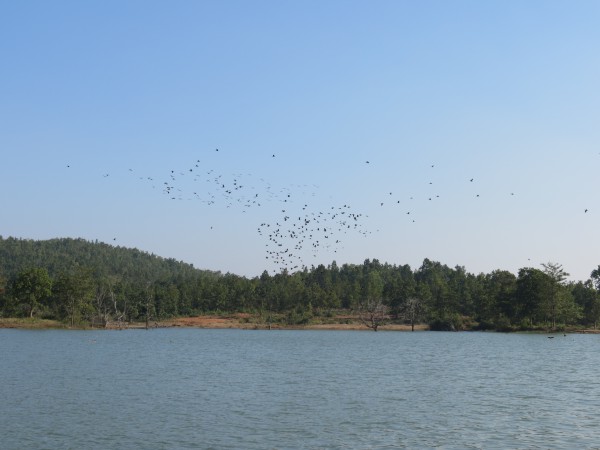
pixel 78 281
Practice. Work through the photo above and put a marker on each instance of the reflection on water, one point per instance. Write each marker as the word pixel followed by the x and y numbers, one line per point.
pixel 193 388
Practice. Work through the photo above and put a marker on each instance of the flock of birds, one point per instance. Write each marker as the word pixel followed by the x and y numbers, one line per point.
pixel 299 228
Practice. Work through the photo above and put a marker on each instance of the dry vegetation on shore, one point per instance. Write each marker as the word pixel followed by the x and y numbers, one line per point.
pixel 242 321
pixel 236 320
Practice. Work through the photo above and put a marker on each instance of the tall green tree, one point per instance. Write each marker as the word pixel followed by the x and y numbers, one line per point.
pixel 350 289
pixel 2 293
pixel 443 304
pixel 74 292
pixel 31 287
pixel 166 299
pixel 559 304
pixel 497 305
pixel 399 287
pixel 531 295
pixel 587 298
pixel 595 276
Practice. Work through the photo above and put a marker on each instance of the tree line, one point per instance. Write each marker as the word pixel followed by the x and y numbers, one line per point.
pixel 78 281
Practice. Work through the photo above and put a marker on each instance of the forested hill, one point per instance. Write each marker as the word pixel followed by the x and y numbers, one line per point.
pixel 78 281
pixel 66 254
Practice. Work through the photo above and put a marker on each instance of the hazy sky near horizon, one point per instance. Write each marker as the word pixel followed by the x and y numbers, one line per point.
pixel 465 132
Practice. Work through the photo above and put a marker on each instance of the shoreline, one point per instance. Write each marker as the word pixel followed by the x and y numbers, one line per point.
pixel 234 321
pixel 242 321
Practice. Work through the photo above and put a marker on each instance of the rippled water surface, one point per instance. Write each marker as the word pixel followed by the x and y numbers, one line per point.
pixel 194 388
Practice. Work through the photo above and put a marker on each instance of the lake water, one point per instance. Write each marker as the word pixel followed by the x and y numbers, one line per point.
pixel 240 389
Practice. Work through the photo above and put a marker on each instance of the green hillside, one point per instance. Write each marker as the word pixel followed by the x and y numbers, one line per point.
pixel 65 254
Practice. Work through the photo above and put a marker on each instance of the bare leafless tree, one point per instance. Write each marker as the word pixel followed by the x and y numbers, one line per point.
pixel 412 310
pixel 119 311
pixel 372 312
pixel 101 303
pixel 149 299
pixel 107 305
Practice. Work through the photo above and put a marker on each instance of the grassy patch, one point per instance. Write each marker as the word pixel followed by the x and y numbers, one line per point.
pixel 11 322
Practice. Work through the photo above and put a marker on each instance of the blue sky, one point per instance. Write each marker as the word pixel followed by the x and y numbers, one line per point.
pixel 102 102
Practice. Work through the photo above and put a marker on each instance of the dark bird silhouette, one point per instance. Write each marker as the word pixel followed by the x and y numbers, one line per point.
pixel 585 211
